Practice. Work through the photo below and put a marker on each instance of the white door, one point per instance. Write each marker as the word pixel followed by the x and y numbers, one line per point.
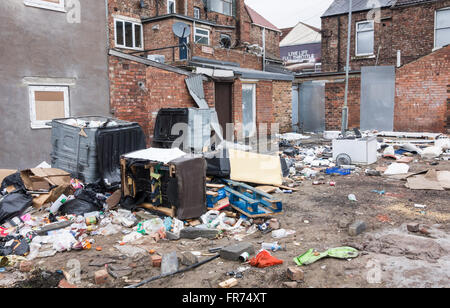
pixel 249 109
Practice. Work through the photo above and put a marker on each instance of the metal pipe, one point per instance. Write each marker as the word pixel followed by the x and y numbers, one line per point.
pixel 347 69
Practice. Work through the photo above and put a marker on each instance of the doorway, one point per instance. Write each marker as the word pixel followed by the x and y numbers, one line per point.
pixel 224 104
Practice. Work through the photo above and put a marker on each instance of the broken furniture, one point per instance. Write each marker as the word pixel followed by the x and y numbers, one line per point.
pixel 250 201
pixel 188 127
pixel 167 181
pixel 359 150
pixel 90 147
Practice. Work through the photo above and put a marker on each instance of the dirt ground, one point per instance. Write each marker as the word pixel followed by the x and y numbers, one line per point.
pixel 390 256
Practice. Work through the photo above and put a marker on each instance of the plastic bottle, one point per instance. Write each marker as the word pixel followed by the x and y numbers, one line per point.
pixel 271 246
pixel 58 203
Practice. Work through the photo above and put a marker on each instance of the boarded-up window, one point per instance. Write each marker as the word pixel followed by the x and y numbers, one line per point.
pixel 56 5
pixel 48 103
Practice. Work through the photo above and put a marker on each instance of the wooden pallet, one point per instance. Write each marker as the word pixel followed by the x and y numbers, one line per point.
pixel 250 201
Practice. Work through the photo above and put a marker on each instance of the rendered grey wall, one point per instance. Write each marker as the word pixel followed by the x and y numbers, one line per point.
pixel 36 42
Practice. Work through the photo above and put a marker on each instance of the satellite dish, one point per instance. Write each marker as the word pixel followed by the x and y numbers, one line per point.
pixel 181 29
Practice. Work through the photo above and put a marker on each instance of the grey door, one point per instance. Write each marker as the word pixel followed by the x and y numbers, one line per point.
pixel 312 106
pixel 377 98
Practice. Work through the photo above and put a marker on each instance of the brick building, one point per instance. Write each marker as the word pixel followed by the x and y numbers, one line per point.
pixel 149 60
pixel 409 35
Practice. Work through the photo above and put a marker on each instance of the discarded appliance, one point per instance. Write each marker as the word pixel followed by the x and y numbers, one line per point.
pixel 90 147
pixel 360 150
pixel 167 181
pixel 250 201
pixel 191 127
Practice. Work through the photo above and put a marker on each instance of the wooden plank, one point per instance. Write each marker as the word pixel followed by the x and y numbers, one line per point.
pixel 267 189
pixel 163 210
pixel 212 193
pixel 219 186
pixel 254 216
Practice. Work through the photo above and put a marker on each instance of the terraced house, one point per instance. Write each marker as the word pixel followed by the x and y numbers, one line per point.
pixel 399 66
pixel 156 44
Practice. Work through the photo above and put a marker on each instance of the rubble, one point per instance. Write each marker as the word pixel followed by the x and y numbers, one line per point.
pixel 75 215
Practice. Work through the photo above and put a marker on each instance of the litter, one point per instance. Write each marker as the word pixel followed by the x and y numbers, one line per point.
pixel 396 168
pixel 264 259
pixel 312 255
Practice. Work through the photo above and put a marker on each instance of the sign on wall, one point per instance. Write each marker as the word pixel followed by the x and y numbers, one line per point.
pixel 306 53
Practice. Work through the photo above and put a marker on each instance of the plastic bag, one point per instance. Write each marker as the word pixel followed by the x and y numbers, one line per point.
pixel 150 226
pixel 264 259
pixel 312 255
pixel 13 205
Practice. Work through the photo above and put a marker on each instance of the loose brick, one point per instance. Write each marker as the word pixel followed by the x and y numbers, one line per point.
pixel 156 260
pixel 101 277
pixel 295 274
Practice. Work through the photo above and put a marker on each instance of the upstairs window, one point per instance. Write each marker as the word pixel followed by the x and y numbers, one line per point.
pixel 55 5
pixel 442 28
pixel 201 36
pixel 171 7
pixel 221 6
pixel 365 32
pixel 128 34
pixel 197 13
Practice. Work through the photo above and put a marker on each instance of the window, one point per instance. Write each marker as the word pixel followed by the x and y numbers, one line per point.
pixel 225 41
pixel 170 6
pixel 365 38
pixel 249 109
pixel 48 103
pixel 55 5
pixel 197 13
pixel 442 28
pixel 201 36
pixel 128 34
pixel 221 6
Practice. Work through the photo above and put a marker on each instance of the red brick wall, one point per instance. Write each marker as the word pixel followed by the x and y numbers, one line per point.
pixel 421 93
pixel 164 37
pixel 334 101
pixel 409 29
pixel 163 89
pixel 272 40
pixel 282 105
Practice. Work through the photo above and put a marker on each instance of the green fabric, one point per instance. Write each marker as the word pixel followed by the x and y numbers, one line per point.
pixel 312 255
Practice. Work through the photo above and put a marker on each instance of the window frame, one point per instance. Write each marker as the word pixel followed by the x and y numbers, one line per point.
pixel 174 7
pixel 253 85
pixel 46 5
pixel 133 23
pixel 38 124
pixel 197 10
pixel 435 26
pixel 202 35
pixel 223 2
pixel 362 31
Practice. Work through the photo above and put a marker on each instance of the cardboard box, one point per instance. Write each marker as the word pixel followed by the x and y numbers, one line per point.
pixel 55 181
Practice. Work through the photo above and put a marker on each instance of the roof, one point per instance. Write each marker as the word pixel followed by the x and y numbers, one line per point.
pixel 285 32
pixel 257 19
pixel 302 34
pixel 412 2
pixel 339 7
pixel 245 73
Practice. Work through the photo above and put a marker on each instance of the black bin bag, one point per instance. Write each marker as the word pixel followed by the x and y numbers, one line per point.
pixel 14 204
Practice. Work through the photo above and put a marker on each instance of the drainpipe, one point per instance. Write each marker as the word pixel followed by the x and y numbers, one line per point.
pixel 107 57
pixel 344 126
pixel 264 48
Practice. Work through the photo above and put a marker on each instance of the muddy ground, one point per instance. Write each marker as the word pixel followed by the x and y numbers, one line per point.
pixel 390 255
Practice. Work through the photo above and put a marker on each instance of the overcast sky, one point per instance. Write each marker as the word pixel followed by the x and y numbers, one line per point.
pixel 287 13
